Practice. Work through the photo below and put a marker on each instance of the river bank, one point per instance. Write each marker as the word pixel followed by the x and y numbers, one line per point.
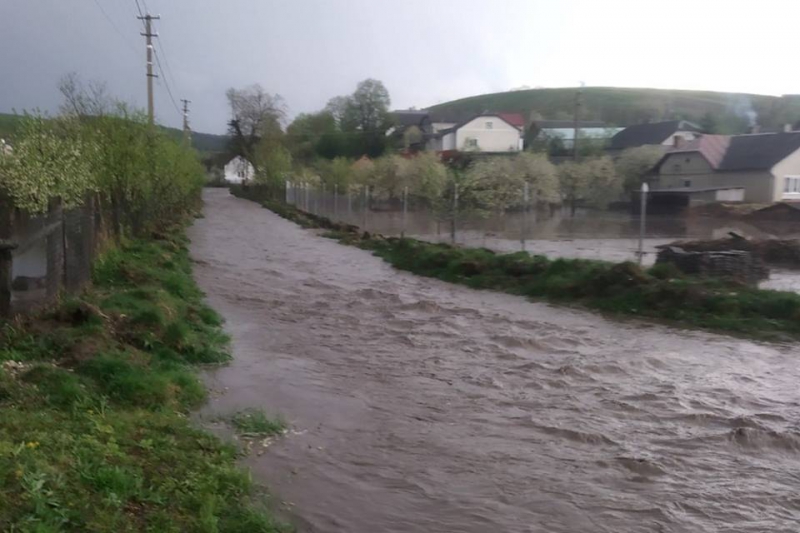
pixel 94 398
pixel 658 292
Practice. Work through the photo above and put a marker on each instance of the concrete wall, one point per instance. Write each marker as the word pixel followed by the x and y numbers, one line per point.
pixel 492 134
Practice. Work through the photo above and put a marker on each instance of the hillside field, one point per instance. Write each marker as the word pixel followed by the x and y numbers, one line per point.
pixel 727 112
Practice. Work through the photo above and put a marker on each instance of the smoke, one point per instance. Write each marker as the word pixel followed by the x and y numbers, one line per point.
pixel 741 106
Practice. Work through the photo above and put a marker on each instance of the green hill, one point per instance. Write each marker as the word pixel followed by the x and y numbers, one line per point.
pixel 726 112
pixel 205 143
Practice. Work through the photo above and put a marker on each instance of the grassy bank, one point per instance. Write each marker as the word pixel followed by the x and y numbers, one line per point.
pixel 93 402
pixel 660 292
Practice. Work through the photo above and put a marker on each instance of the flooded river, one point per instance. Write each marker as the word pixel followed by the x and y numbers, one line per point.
pixel 418 406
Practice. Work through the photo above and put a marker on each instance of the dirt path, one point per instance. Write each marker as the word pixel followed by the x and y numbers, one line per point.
pixel 419 406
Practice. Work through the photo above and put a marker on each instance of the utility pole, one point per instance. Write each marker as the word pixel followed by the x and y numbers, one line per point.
pixel 187 133
pixel 148 33
pixel 576 124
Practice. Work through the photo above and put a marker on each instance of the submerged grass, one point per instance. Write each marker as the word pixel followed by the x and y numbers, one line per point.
pixel 254 423
pixel 93 402
pixel 660 292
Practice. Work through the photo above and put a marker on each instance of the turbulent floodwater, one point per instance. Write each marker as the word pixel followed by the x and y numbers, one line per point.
pixel 418 406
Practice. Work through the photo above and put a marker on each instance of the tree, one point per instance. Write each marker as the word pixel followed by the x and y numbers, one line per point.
pixel 634 164
pixel 255 114
pixel 337 107
pixel 389 175
pixel 84 100
pixel 708 123
pixel 366 114
pixel 592 181
pixel 313 135
pixel 540 174
pixel 425 176
pixel 336 172
pixel 491 185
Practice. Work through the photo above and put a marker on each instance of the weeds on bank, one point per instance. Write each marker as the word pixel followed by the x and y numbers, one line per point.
pixel 660 292
pixel 254 423
pixel 93 403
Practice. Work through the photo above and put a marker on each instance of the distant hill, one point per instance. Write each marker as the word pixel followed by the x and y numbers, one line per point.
pixel 726 112
pixel 205 143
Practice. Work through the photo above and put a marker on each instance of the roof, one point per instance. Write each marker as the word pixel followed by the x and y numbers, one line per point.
pixel 515 119
pixel 759 151
pixel 559 124
pixel 651 133
pixel 409 117
pixel 450 117
pixel 712 147
pixel 694 189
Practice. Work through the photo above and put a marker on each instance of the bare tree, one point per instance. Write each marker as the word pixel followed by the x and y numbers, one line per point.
pixel 84 99
pixel 255 115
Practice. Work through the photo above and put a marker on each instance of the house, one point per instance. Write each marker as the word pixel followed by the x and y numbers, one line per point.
pixel 484 132
pixel 654 133
pixel 239 170
pixel 564 131
pixel 765 166
pixel 410 128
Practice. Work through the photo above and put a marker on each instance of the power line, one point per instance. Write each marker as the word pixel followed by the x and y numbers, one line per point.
pixel 139 8
pixel 116 28
pixel 166 83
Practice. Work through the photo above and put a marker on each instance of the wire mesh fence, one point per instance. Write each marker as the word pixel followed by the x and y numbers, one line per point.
pixel 524 226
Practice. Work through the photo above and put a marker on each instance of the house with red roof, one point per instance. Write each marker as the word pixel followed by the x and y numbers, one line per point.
pixel 483 132
pixel 476 132
pixel 763 168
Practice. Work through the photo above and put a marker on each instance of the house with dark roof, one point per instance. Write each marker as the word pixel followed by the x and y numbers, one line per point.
pixel 410 128
pixel 655 133
pixel 485 132
pixel 765 166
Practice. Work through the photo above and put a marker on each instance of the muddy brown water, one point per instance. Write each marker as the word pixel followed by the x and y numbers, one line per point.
pixel 419 406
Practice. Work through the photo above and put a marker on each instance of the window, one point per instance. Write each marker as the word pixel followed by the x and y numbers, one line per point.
pixel 471 143
pixel 687 183
pixel 489 125
pixel 791 185
pixel 676 169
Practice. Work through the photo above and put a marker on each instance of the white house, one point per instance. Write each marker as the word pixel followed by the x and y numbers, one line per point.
pixel 239 170
pixel 501 132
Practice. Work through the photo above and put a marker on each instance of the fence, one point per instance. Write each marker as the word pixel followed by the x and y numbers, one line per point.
pixel 45 255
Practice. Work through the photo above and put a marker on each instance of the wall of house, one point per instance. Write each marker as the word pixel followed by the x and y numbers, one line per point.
pixel 789 167
pixel 500 137
pixel 692 170
pixel 238 170
pixel 449 141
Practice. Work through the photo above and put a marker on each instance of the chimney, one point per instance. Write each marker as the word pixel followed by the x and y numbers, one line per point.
pixel 787 128
pixel 755 128
pixel 677 141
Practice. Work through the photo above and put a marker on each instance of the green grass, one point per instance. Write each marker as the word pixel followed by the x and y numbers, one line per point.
pixel 94 397
pixel 254 423
pixel 622 289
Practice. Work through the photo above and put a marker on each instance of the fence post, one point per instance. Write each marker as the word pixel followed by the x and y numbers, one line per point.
pixel 305 187
pixel 642 220
pixel 405 211
pixel 6 258
pixel 323 198
pixel 365 207
pixel 525 200
pixel 349 204
pixel 335 199
pixel 454 218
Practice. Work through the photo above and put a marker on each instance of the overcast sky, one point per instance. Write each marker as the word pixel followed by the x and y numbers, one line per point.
pixel 425 51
